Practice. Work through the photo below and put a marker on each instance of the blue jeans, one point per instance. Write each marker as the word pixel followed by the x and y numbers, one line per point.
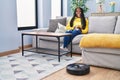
pixel 67 39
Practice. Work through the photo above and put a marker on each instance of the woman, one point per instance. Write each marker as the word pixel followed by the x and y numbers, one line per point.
pixel 76 26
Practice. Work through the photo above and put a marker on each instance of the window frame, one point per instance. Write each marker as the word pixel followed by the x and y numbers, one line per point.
pixel 36 20
pixel 61 7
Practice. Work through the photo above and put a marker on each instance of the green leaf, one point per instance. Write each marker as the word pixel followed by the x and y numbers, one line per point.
pixel 79 3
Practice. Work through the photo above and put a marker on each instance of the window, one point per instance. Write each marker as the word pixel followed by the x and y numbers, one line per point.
pixel 26 14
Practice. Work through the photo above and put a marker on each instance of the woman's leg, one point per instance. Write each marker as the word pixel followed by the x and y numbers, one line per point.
pixel 75 33
pixel 67 39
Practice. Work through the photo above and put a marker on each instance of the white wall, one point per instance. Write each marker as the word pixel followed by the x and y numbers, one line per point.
pixel 8 25
pixel 91 4
pixel 10 37
pixel 65 3
pixel 44 13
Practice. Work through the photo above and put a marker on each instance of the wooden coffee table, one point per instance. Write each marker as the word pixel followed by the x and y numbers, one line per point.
pixel 45 50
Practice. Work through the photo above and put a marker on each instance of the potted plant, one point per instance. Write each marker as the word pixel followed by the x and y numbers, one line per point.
pixel 112 4
pixel 79 3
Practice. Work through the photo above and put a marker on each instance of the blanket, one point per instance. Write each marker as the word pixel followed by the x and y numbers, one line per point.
pixel 100 40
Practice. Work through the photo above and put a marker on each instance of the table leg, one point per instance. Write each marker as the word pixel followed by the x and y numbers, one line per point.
pixel 71 46
pixel 22 45
pixel 36 41
pixel 58 48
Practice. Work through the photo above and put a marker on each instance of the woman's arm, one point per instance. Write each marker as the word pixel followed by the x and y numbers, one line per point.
pixel 86 28
pixel 68 27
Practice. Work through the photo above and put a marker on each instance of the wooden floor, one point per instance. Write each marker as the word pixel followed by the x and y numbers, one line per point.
pixel 96 73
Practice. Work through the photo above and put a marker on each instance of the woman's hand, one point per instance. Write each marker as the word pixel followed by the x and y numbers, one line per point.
pixel 78 27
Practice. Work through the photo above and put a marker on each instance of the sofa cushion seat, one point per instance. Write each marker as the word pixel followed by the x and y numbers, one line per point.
pixel 101 40
pixel 54 39
pixel 77 39
pixel 103 50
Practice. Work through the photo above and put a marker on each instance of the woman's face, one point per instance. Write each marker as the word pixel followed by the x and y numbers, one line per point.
pixel 78 12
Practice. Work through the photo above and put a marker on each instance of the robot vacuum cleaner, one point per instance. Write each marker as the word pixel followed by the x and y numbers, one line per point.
pixel 78 69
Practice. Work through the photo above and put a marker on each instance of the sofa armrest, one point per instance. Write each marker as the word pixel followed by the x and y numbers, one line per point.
pixel 77 39
pixel 41 29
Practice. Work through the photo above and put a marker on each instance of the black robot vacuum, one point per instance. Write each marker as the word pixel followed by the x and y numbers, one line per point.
pixel 78 69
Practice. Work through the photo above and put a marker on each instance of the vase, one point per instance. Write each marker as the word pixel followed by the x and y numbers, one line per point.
pixel 100 8
pixel 113 8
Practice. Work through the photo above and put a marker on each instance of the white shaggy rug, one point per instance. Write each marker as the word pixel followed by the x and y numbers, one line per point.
pixel 32 66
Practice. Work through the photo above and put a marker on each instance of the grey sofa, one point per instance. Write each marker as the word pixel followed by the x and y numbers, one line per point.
pixel 48 42
pixel 93 28
pixel 103 57
pixel 51 43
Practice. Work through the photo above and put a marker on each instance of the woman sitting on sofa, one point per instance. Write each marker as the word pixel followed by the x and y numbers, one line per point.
pixel 76 26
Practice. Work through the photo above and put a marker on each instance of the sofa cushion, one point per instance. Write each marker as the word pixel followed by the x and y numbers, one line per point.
pixel 54 39
pixel 60 28
pixel 117 28
pixel 68 18
pixel 76 39
pixel 53 23
pixel 101 24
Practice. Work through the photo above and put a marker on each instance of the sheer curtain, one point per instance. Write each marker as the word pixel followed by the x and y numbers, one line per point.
pixel 55 8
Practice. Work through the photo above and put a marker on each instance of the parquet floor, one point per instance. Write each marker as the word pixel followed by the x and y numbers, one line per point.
pixel 96 73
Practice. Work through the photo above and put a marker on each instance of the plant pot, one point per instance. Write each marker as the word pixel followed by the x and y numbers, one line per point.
pixel 113 8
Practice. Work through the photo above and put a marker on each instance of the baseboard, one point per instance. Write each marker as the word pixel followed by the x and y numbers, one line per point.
pixel 14 51
pixel 9 52
pixel 25 46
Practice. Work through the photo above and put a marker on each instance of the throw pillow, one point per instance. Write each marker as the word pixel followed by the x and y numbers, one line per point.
pixel 53 24
pixel 101 24
pixel 117 28
pixel 68 18
pixel 60 29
